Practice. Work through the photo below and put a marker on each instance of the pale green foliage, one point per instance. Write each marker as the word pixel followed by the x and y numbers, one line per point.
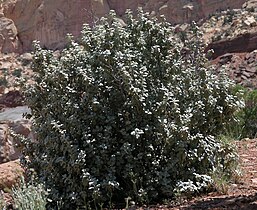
pixel 245 123
pixel 29 196
pixel 2 202
pixel 228 171
pixel 131 111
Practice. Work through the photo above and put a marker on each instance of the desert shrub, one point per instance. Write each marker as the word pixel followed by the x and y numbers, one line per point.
pixel 3 81
pixel 245 125
pixel 2 202
pixel 17 72
pixel 228 170
pixel 29 196
pixel 249 114
pixel 131 111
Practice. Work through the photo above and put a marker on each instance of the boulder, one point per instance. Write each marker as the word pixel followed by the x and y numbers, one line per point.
pixel 13 98
pixel 8 149
pixel 25 59
pixel 10 174
pixel 14 114
pixel 250 4
pixel 250 21
pixel 22 127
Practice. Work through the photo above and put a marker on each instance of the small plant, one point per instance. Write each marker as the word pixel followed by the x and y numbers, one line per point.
pixel 3 81
pixel 29 196
pixel 245 123
pixel 2 202
pixel 250 9
pixel 229 170
pixel 216 38
pixel 249 114
pixel 17 72
pixel 228 19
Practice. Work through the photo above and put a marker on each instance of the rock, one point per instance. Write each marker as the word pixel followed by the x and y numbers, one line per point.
pixel 250 4
pixel 245 73
pixel 12 119
pixel 244 43
pixel 235 23
pixel 225 59
pixel 254 181
pixel 8 36
pixel 176 11
pixel 4 133
pixel 12 99
pixel 14 114
pixel 251 70
pixel 5 66
pixel 242 69
pixel 250 21
pixel 9 146
pixel 22 127
pixel 49 21
pixel 10 174
pixel 8 149
pixel 99 8
pixel 25 59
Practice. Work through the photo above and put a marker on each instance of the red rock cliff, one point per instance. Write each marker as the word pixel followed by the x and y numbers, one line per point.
pixel 50 20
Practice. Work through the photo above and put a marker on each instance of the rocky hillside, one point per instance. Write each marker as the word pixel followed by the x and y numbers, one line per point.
pixel 22 21
pixel 231 33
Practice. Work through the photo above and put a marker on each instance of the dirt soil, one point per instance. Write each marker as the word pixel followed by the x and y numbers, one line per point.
pixel 240 196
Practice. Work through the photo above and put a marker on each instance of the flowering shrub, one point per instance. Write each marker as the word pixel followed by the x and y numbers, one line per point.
pixel 130 111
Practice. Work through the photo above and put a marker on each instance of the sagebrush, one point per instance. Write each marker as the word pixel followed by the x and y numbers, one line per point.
pixel 29 196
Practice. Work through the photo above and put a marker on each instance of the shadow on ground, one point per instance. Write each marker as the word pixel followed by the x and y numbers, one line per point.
pixel 231 202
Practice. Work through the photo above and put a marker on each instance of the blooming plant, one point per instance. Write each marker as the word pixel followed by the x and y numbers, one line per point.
pixel 130 111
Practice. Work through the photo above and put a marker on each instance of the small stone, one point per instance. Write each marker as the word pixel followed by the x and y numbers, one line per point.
pixel 245 73
pixel 251 70
pixel 254 181
pixel 250 21
pixel 244 77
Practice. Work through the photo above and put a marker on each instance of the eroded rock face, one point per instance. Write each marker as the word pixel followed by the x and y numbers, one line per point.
pixel 244 43
pixel 177 11
pixel 241 67
pixel 49 21
pixel 8 36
